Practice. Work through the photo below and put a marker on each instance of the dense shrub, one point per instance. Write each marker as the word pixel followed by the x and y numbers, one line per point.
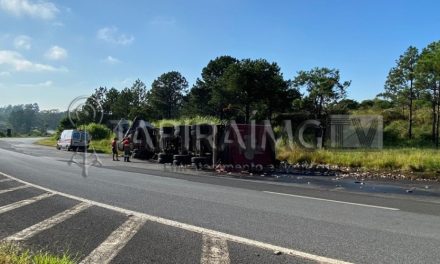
pixel 197 120
pixel 395 133
pixel 98 131
pixel 390 115
pixel 36 133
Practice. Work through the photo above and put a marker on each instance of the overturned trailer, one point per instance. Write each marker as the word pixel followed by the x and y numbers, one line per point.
pixel 234 146
pixel 142 137
pixel 247 146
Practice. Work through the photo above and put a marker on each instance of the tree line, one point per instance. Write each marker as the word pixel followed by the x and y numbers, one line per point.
pixel 255 89
pixel 414 83
pixel 248 89
pixel 28 119
pixel 227 89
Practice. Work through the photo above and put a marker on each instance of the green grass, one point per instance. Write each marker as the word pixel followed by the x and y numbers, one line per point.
pixel 13 254
pixel 396 126
pixel 197 120
pixel 100 146
pixel 416 160
pixel 424 161
pixel 50 142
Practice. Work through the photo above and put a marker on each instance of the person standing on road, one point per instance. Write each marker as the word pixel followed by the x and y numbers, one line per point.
pixel 115 149
pixel 127 151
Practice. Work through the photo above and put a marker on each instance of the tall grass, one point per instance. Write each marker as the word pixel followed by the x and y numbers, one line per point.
pixel 50 142
pixel 13 254
pixel 403 159
pixel 197 120
pixel 101 146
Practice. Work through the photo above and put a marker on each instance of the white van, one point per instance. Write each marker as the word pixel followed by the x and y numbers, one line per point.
pixel 73 139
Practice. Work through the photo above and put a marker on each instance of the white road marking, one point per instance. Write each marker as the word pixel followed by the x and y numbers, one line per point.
pixel 21 203
pixel 196 229
pixel 5 180
pixel 108 249
pixel 333 201
pixel 48 223
pixel 14 189
pixel 214 250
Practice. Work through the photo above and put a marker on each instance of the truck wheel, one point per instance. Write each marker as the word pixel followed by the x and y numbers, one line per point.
pixel 184 159
pixel 162 155
pixel 166 158
pixel 199 160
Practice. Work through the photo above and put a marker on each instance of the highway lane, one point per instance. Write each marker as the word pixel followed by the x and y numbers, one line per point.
pixel 344 231
pixel 418 202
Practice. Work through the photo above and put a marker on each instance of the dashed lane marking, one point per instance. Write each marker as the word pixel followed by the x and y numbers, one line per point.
pixel 108 249
pixel 21 203
pixel 14 189
pixel 192 228
pixel 48 223
pixel 5 180
pixel 214 250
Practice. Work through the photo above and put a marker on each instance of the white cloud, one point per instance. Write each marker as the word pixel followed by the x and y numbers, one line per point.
pixel 58 24
pixel 17 62
pixel 111 60
pixel 112 35
pixel 56 53
pixel 39 9
pixel 23 42
pixel 33 85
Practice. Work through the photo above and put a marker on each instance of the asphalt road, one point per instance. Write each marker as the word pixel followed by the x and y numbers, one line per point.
pixel 144 215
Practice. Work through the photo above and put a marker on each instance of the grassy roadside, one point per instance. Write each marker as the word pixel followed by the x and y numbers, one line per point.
pixel 413 160
pixel 49 142
pixel 100 146
pixel 187 121
pixel 13 254
pixel 423 162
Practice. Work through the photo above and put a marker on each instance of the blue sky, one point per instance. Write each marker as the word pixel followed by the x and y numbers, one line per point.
pixel 54 51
